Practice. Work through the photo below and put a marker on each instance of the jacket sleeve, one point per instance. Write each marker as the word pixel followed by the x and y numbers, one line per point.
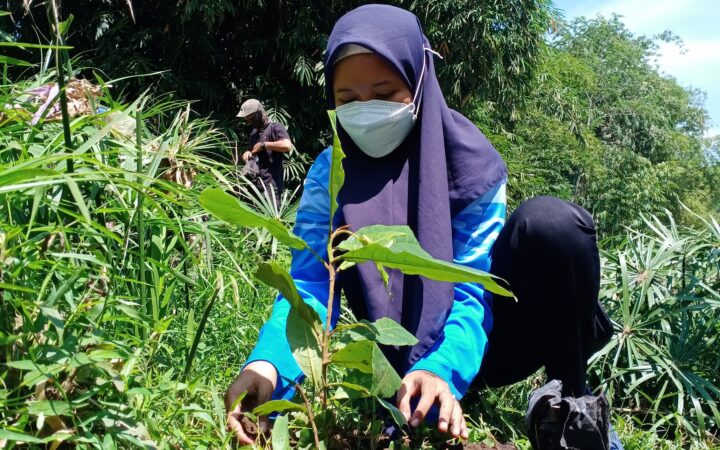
pixel 311 279
pixel 457 354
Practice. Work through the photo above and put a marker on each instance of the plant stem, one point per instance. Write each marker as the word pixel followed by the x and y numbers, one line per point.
pixel 61 84
pixel 332 274
pixel 326 336
pixel 311 416
pixel 139 212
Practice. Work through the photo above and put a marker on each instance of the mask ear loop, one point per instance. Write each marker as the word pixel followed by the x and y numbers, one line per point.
pixel 417 97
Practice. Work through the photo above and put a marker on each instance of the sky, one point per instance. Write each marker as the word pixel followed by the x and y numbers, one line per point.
pixel 696 22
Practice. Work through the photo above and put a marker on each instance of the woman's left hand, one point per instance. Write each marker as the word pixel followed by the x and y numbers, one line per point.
pixel 431 389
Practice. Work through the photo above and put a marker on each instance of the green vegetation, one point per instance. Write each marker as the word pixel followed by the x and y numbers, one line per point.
pixel 125 311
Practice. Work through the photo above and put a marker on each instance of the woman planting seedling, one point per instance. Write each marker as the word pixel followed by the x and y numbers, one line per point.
pixel 411 161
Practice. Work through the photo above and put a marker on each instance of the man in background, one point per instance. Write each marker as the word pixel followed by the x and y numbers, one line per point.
pixel 268 141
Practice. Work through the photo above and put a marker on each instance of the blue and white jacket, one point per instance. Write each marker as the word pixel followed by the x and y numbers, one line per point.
pixel 457 354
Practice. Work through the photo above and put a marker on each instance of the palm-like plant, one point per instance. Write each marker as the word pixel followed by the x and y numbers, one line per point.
pixel 661 292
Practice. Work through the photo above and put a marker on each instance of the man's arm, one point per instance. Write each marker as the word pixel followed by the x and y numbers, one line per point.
pixel 281 146
pixel 281 142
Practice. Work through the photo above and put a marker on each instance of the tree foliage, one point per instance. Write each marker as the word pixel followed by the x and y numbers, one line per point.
pixel 606 129
pixel 222 51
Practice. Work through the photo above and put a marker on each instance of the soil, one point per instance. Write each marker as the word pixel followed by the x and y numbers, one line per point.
pixel 484 447
pixel 250 427
pixel 474 446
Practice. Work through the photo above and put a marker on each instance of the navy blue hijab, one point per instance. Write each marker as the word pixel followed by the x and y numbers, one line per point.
pixel 442 166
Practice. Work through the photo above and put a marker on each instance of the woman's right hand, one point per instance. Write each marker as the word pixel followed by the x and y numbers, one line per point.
pixel 258 379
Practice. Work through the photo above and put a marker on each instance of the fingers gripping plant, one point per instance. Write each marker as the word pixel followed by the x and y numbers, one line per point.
pixel 351 348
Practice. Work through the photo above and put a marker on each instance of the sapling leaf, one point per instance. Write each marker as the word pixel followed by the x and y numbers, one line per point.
pixel 389 332
pixel 276 277
pixel 356 355
pixel 399 249
pixel 383 331
pixel 280 434
pixel 305 346
pixel 345 265
pixel 341 394
pixel 383 274
pixel 272 406
pixel 382 382
pixel 385 381
pixel 397 416
pixel 229 209
pixel 337 174
pixel 356 388
pixel 376 234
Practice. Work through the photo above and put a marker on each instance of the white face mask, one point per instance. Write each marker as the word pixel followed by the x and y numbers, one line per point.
pixel 377 126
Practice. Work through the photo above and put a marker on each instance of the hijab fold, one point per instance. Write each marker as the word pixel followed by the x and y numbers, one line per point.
pixel 441 167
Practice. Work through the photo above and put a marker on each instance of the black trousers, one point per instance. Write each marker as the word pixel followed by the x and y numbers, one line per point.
pixel 548 253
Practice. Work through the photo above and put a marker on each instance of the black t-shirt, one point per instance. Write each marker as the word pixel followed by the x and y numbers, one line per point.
pixel 270 163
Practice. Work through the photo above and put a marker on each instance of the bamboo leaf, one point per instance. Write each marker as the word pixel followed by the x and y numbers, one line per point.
pixel 24 45
pixel 13 175
pixel 229 209
pixel 10 61
pixel 79 199
pixel 14 436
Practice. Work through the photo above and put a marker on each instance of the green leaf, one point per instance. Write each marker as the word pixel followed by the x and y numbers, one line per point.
pixel 396 247
pixel 275 276
pixel 229 209
pixel 10 61
pixel 54 316
pixel 385 381
pixel 65 25
pixel 356 387
pixel 190 328
pixel 18 176
pixel 79 199
pixel 389 332
pixel 397 416
pixel 24 45
pixel 337 174
pixel 280 434
pixel 305 346
pixel 272 406
pixel 383 331
pixel 378 234
pixel 25 364
pixel 14 436
pixel 15 287
pixel 49 408
pixel 382 382
pixel 356 355
pixel 383 274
